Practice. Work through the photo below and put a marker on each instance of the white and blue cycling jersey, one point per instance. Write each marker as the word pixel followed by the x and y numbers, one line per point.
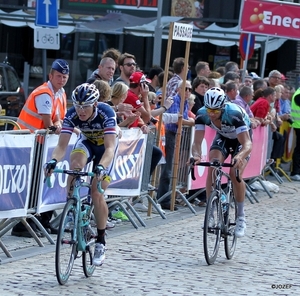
pixel 234 120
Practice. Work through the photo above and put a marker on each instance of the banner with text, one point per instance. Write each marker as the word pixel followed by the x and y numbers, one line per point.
pixel 280 19
pixel 256 163
pixel 15 173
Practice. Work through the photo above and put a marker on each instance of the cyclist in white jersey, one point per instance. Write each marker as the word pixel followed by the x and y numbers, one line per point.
pixel 233 137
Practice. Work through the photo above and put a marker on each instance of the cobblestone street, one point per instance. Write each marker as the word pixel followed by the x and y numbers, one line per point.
pixel 166 257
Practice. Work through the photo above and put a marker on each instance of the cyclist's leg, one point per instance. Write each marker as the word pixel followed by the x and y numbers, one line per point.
pixel 218 150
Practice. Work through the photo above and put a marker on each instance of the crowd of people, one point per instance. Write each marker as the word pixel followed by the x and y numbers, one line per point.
pixel 226 99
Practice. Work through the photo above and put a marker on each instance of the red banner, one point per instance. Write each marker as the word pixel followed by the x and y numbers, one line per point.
pixel 270 18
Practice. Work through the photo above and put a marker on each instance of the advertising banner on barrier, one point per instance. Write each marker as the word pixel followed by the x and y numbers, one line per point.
pixel 256 163
pixel 15 173
pixel 126 179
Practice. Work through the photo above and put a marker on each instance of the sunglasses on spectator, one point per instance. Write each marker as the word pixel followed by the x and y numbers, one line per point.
pixel 208 110
pixel 129 64
pixel 83 107
pixel 188 89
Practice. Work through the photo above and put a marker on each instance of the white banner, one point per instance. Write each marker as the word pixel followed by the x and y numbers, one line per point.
pixel 15 173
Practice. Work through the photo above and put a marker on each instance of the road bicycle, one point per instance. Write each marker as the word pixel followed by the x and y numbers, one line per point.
pixel 77 232
pixel 221 213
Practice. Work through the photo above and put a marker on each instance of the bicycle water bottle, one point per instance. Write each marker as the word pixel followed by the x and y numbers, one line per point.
pixel 223 201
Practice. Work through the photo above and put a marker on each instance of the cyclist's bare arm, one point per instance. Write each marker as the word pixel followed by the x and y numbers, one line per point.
pixel 110 145
pixel 245 141
pixel 196 147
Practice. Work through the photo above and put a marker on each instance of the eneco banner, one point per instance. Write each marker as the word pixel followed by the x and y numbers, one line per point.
pixel 15 173
pixel 270 18
pixel 256 163
pixel 126 179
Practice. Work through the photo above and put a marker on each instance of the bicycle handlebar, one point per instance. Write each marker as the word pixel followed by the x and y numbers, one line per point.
pixel 215 164
pixel 74 173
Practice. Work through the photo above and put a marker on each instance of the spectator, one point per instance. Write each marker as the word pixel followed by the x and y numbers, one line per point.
pixel 259 84
pixel 104 90
pixel 243 99
pixel 248 81
pixel 106 70
pixel 191 103
pixel 214 74
pixel 295 111
pixel 231 90
pixel 153 76
pixel 199 87
pixel 231 76
pixel 202 69
pixel 285 103
pixel 127 65
pixel 171 130
pixel 46 106
pixel 274 78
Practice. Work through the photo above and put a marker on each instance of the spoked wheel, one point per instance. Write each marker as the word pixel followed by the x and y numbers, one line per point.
pixel 212 229
pixel 89 235
pixel 230 218
pixel 66 245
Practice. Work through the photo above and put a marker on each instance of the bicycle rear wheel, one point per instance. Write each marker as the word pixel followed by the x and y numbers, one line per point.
pixel 230 218
pixel 66 245
pixel 212 228
pixel 90 235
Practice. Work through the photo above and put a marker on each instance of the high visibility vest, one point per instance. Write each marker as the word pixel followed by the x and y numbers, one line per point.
pixel 29 117
pixel 295 110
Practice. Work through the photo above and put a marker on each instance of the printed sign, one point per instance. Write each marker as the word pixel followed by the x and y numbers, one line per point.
pixel 270 18
pixel 183 32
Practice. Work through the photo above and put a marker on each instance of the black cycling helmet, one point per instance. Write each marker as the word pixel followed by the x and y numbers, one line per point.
pixel 61 66
pixel 85 94
pixel 214 98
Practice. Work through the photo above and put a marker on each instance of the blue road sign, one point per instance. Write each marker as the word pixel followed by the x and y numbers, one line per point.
pixel 46 13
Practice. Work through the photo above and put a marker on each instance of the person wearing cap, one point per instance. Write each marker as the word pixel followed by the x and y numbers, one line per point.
pixel 46 106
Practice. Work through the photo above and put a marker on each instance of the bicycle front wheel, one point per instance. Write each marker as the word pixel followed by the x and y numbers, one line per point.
pixel 66 244
pixel 230 218
pixel 212 228
pixel 89 235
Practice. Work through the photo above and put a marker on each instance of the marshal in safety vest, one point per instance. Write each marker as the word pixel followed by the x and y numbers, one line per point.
pixel 29 117
pixel 295 110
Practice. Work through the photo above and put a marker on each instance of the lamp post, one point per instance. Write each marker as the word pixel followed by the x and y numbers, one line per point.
pixel 156 58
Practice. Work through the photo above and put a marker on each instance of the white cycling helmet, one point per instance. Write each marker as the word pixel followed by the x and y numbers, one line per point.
pixel 85 94
pixel 214 98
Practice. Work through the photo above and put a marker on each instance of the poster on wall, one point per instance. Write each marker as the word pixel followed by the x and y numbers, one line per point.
pixel 189 9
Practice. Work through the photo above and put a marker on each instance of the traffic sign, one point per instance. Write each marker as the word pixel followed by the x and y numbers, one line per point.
pixel 243 46
pixel 46 13
pixel 46 38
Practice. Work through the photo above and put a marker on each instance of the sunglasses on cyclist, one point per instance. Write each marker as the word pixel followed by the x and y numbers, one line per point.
pixel 208 110
pixel 83 107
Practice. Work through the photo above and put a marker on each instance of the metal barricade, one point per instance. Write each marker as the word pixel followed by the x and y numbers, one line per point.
pixel 182 176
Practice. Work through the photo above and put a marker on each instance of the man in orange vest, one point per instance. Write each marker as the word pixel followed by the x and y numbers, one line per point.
pixel 46 106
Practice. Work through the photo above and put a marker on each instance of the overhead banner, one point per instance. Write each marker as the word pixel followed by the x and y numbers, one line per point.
pixel 15 174
pixel 270 18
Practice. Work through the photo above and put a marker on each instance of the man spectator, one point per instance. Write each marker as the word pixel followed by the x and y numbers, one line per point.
pixel 170 135
pixel 259 84
pixel 231 90
pixel 199 86
pixel 243 99
pixel 274 78
pixel 285 104
pixel 231 76
pixel 248 81
pixel 202 69
pixel 153 76
pixel 45 107
pixel 295 111
pixel 106 71
pixel 127 66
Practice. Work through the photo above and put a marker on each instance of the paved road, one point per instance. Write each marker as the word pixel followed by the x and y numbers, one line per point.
pixel 166 258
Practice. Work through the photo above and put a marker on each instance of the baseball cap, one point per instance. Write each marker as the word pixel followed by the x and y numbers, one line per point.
pixel 254 75
pixel 283 77
pixel 138 77
pixel 61 66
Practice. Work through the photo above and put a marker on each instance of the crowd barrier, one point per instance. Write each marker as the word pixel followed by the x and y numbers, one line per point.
pixel 24 194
